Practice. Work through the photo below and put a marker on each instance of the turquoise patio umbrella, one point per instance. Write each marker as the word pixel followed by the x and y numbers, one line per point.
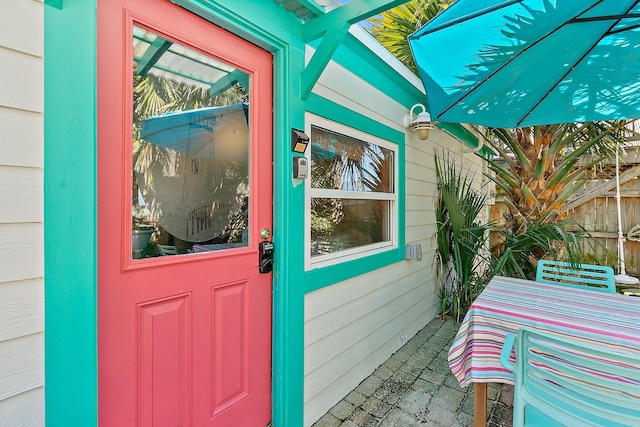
pixel 211 132
pixel 194 193
pixel 510 63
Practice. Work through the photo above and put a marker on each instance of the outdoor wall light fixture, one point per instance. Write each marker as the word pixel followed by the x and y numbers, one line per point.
pixel 299 141
pixel 419 124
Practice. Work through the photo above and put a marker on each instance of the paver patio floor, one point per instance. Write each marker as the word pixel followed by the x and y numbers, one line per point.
pixel 415 387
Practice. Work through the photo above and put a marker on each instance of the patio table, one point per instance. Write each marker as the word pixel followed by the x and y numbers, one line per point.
pixel 611 321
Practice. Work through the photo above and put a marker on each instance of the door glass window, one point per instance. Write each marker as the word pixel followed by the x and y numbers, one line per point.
pixel 190 150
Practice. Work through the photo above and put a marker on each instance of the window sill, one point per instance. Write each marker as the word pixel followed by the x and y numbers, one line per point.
pixel 320 276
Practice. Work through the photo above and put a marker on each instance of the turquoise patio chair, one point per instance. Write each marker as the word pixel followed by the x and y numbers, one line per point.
pixel 583 276
pixel 560 382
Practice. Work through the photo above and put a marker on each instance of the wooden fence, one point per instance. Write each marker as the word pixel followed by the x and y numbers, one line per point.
pixel 595 209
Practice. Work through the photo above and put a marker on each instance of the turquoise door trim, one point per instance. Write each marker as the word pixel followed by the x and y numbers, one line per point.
pixel 54 3
pixel 325 276
pixel 71 397
pixel 263 23
pixel 288 299
pixel 71 211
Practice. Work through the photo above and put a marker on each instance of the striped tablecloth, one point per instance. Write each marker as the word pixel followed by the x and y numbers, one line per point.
pixel 506 304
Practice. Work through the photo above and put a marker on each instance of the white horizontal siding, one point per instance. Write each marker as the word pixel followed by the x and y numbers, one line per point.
pixel 413 186
pixel 21 214
pixel 21 135
pixel 22 26
pixel 21 255
pixel 419 202
pixel 415 219
pixel 21 194
pixel 404 295
pixel 370 294
pixel 21 365
pixel 24 410
pixel 420 233
pixel 420 158
pixel 419 172
pixel 21 308
pixel 21 80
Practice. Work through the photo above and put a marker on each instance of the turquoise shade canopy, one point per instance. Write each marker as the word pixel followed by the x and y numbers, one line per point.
pixel 211 132
pixel 510 63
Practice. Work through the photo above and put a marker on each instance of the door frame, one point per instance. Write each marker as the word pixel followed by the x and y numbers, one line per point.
pixel 70 182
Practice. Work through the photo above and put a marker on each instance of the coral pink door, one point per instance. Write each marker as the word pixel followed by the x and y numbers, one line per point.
pixel 185 185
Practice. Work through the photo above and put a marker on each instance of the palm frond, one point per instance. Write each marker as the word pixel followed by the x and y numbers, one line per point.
pixel 461 239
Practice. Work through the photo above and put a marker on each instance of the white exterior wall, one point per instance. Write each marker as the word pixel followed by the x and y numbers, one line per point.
pixel 352 327
pixel 21 214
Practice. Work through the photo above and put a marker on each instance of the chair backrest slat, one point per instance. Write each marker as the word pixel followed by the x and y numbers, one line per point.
pixel 583 276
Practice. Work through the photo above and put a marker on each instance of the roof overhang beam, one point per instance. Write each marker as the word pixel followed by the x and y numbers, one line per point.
pixel 158 47
pixel 313 6
pixel 355 11
pixel 321 57
pixel 228 81
pixel 333 27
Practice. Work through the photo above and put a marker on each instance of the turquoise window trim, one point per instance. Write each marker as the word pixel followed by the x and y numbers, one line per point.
pixel 70 214
pixel 325 276
pixel 340 114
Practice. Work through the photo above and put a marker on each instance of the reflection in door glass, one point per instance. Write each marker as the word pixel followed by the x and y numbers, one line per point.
pixel 190 150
